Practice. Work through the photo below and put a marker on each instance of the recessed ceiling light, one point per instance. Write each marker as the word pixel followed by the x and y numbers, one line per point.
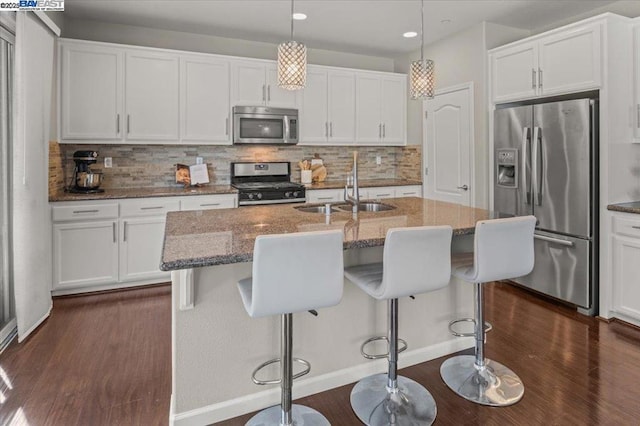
pixel 410 34
pixel 299 16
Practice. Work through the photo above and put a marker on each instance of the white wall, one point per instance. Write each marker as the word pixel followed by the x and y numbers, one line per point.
pixel 459 59
pixel 151 37
pixel 630 9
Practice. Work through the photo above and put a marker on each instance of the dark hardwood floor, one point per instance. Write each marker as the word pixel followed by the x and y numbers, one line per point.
pixel 98 360
pixel 106 360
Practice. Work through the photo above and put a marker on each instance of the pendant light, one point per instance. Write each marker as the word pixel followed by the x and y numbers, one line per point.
pixel 421 74
pixel 292 62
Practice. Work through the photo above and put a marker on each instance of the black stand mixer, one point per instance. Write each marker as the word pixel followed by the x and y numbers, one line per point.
pixel 84 180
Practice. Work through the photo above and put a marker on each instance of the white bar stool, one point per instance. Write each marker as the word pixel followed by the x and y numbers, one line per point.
pixel 281 285
pixel 415 260
pixel 503 249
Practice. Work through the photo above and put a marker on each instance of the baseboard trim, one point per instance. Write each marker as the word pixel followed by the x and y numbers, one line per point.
pixel 22 336
pixel 7 334
pixel 245 404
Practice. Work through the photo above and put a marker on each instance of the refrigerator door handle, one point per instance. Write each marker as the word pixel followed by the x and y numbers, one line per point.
pixel 553 240
pixel 536 166
pixel 525 163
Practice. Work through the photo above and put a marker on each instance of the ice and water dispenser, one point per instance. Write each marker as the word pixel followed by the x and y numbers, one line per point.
pixel 507 162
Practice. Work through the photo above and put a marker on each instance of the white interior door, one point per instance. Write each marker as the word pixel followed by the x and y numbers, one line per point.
pixel 447 144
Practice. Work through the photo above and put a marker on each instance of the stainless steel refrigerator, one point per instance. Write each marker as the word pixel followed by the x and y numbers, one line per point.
pixel 545 165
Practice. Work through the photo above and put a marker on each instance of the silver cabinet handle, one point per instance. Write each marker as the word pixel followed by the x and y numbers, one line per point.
pixel 264 91
pixel 326 129
pixel 533 78
pixel 128 124
pixel 331 129
pixel 383 195
pixel 638 116
pixel 85 211
pixel 380 130
pixel 226 126
pixel 384 130
pixel 325 198
pixel 124 231
pixel 114 232
pixel 269 93
pixel 151 208
pixel 117 124
pixel 540 78
pixel 209 204
pixel 635 227
pixel 553 240
pixel 464 187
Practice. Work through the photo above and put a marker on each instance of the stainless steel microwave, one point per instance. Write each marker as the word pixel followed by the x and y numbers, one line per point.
pixel 263 125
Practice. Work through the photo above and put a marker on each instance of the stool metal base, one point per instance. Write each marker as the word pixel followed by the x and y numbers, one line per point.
pixel 411 404
pixel 300 414
pixel 494 384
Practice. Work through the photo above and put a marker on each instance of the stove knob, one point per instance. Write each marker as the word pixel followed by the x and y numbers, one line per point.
pixel 287 194
pixel 259 195
pixel 296 194
pixel 250 196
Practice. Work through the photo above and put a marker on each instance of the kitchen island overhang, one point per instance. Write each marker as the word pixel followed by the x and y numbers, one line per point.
pixel 216 345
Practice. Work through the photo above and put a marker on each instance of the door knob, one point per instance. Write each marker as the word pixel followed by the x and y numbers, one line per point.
pixel 464 187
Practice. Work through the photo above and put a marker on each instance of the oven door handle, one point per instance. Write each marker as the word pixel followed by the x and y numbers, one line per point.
pixel 287 130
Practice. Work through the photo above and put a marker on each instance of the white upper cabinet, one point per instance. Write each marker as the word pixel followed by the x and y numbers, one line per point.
pixel 91 92
pixel 380 109
pixel 327 107
pixel 205 106
pixel 151 96
pixel 564 61
pixel 636 81
pixel 255 83
pixel 514 71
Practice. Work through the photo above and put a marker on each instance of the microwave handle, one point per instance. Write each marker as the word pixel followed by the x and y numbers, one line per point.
pixel 287 130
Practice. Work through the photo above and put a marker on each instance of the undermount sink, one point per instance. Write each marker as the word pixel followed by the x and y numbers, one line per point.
pixel 314 209
pixel 367 207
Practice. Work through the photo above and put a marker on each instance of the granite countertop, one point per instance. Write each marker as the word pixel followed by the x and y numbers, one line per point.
pixel 362 183
pixel 175 191
pixel 632 207
pixel 217 237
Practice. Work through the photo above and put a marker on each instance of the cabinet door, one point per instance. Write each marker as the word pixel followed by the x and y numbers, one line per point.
pixel 342 107
pixel 151 96
pixel 205 100
pixel 368 109
pixel 277 97
pixel 84 253
pixel 141 248
pixel 626 270
pixel 570 61
pixel 91 92
pixel 514 72
pixel 248 84
pixel 394 102
pixel 636 81
pixel 314 126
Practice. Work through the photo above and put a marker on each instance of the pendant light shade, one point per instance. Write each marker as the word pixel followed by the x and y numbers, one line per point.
pixel 422 72
pixel 292 63
pixel 422 79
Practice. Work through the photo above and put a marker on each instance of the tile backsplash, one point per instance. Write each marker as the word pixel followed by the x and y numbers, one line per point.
pixel 153 165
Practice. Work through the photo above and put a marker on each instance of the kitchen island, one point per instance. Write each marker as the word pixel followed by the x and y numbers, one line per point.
pixel 216 345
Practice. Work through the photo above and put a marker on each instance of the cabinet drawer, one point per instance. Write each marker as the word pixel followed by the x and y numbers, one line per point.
pixel 325 196
pixel 380 193
pixel 84 211
pixel 626 226
pixel 409 191
pixel 208 202
pixel 148 207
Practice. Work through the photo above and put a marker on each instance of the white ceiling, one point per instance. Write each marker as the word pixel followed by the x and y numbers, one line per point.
pixel 372 27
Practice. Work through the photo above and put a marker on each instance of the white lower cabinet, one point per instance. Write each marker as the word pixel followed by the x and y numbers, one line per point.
pixel 325 195
pixel 101 245
pixel 626 267
pixel 408 191
pixel 371 193
pixel 85 253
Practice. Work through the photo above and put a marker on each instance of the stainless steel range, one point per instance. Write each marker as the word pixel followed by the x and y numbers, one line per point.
pixel 265 183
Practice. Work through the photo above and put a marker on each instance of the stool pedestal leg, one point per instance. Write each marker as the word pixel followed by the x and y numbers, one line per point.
pixel 287 414
pixel 389 399
pixel 476 378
